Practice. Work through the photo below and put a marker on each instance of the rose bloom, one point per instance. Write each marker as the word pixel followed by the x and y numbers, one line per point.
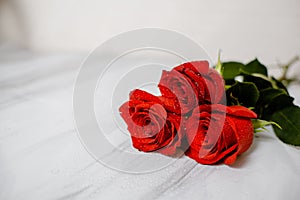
pixel 217 133
pixel 192 84
pixel 151 127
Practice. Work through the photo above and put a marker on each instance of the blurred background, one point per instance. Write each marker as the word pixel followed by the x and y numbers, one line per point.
pixel 269 30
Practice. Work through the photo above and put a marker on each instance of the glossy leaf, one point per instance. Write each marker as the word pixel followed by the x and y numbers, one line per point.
pixel 256 67
pixel 279 84
pixel 288 119
pixel 231 69
pixel 245 94
pixel 271 100
pixel 258 81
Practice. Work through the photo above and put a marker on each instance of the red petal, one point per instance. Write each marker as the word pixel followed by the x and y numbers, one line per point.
pixel 217 92
pixel 241 111
pixel 200 67
pixel 143 96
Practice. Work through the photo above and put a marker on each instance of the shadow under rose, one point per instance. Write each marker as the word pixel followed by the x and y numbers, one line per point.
pixel 243 159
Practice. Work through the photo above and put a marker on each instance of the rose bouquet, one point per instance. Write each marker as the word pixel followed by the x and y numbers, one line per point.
pixel 206 113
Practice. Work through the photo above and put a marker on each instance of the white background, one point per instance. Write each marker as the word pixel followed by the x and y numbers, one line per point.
pixel 267 29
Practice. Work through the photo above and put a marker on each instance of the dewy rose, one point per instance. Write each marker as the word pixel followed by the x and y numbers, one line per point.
pixel 218 133
pixel 191 110
pixel 151 127
pixel 193 84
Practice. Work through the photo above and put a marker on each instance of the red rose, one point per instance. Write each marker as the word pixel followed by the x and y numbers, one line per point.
pixel 150 126
pixel 192 83
pixel 217 133
pixel 209 83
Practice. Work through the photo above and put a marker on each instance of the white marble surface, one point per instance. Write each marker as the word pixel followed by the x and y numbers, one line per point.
pixel 41 156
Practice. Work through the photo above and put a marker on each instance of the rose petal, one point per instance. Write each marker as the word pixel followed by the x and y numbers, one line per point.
pixel 200 67
pixel 141 95
pixel 241 111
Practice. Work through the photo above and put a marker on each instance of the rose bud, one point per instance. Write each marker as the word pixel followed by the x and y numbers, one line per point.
pixel 193 84
pixel 217 133
pixel 151 127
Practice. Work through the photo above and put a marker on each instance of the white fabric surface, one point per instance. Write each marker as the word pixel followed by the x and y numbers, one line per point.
pixel 41 156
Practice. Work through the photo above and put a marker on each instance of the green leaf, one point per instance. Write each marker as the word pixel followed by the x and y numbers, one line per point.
pixel 289 120
pixel 256 67
pixel 267 95
pixel 272 100
pixel 231 69
pixel 261 83
pixel 280 102
pixel 279 84
pixel 245 94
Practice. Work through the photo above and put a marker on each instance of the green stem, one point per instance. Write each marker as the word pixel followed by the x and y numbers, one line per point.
pixel 286 67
